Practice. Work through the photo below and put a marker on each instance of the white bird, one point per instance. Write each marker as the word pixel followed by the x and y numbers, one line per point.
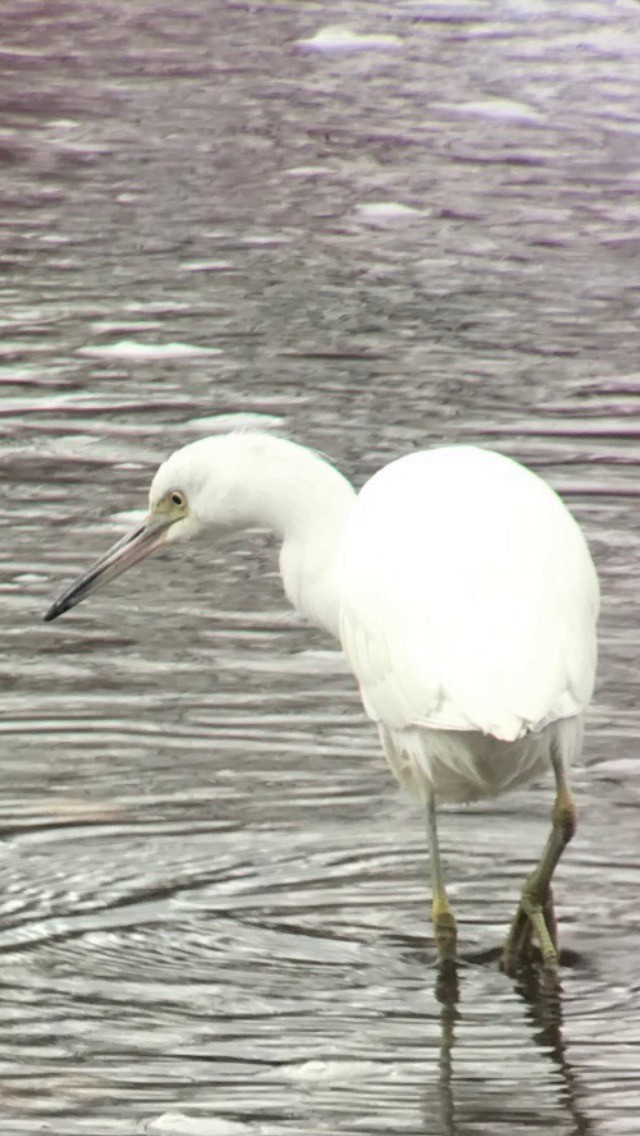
pixel 464 596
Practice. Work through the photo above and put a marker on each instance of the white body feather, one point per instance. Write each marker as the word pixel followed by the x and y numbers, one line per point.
pixel 468 606
pixel 459 584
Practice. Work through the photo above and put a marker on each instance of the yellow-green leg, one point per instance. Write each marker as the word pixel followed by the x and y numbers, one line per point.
pixel 444 924
pixel 522 951
pixel 535 911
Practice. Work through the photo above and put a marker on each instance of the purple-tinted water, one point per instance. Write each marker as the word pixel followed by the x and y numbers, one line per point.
pixel 213 900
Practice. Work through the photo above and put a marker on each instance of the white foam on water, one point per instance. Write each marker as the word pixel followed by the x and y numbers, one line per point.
pixel 507 110
pixel 205 266
pixel 177 1124
pixel 264 240
pixel 243 420
pixel 29 578
pixel 308 171
pixel 131 349
pixel 113 326
pixel 319 660
pixel 128 518
pixel 336 37
pixel 318 1071
pixel 387 212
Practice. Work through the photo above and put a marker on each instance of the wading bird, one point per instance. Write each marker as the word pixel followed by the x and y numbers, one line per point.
pixel 462 592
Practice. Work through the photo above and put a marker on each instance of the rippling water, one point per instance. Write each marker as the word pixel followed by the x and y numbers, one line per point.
pixel 213 899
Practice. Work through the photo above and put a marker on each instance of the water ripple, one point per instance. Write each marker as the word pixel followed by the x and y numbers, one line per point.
pixel 213 900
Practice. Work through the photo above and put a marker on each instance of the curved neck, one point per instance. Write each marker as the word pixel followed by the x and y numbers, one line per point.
pixel 274 483
pixel 308 557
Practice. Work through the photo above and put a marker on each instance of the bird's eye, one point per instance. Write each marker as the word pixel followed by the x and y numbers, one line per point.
pixel 177 499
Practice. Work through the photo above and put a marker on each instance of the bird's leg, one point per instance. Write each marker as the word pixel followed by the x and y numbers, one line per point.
pixel 444 924
pixel 520 948
pixel 535 911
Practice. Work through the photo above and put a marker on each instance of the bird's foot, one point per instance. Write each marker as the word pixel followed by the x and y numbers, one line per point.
pixel 517 950
pixel 535 915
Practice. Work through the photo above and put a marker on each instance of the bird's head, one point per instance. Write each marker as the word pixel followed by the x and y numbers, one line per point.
pixel 189 492
pixel 225 483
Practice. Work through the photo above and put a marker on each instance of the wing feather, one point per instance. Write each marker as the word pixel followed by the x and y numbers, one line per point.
pixel 468 596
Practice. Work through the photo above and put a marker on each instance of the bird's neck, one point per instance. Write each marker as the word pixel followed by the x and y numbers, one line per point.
pixel 305 501
pixel 312 513
pixel 309 561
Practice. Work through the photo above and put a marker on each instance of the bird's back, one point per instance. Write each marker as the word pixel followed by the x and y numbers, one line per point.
pixel 468 597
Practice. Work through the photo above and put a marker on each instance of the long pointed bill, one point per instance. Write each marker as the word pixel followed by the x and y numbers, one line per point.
pixel 133 547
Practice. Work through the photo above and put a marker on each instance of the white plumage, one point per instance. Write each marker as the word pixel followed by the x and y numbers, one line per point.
pixel 464 596
pixel 468 605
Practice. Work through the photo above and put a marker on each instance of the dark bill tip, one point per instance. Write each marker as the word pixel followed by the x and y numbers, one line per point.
pixel 63 603
pixel 55 610
pixel 128 551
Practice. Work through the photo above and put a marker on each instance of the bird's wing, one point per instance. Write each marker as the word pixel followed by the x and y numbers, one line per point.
pixel 468 596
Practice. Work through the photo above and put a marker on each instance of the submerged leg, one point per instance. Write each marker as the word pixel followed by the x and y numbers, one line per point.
pixel 535 911
pixel 519 946
pixel 444 924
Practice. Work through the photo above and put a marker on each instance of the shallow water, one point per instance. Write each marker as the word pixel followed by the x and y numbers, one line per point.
pixel 213 899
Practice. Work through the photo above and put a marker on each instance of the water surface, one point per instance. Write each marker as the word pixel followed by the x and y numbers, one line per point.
pixel 213 899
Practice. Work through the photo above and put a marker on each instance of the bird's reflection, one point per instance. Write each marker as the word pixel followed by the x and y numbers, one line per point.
pixel 469 1101
pixel 447 992
pixel 543 1001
